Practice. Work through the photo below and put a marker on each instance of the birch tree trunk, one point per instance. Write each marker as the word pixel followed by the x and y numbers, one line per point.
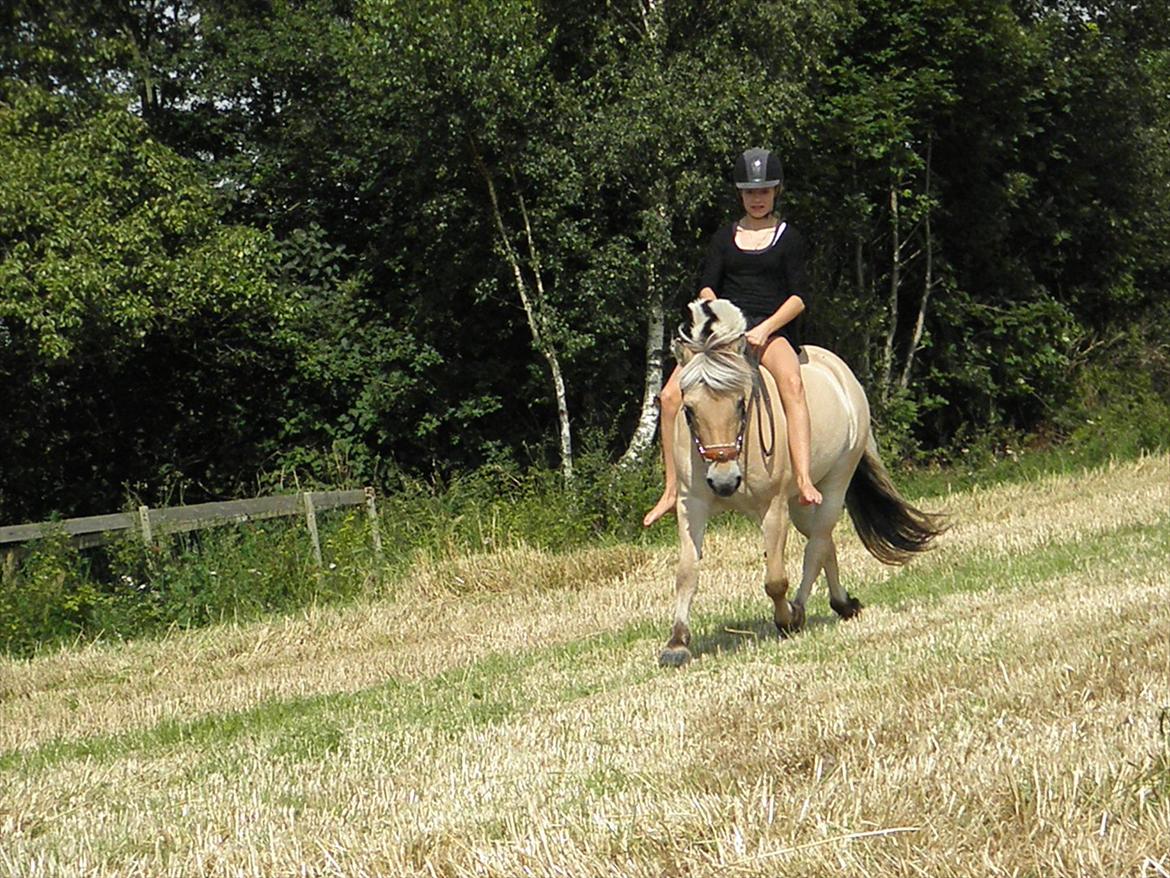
pixel 887 364
pixel 646 431
pixel 534 308
pixel 548 349
pixel 928 283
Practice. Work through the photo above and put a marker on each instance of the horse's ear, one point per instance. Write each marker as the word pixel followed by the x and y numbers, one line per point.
pixel 682 350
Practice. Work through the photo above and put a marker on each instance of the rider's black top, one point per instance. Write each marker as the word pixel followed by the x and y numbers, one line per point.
pixel 758 281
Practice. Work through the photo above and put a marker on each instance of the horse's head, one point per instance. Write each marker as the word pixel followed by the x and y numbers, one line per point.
pixel 717 384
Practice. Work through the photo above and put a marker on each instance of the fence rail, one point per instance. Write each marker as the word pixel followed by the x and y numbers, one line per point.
pixel 96 530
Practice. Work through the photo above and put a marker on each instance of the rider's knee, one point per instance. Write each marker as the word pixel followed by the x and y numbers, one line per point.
pixel 791 387
pixel 671 396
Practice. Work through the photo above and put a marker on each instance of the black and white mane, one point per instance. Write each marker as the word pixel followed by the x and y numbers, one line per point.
pixel 715 340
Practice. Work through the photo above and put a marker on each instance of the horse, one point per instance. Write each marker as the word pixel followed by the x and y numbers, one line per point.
pixel 731 452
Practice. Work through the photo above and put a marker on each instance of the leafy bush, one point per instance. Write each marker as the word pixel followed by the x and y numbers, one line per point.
pixel 49 599
pixel 1118 414
pixel 500 505
pixel 56 594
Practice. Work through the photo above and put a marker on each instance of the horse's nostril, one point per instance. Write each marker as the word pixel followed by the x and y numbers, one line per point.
pixel 724 487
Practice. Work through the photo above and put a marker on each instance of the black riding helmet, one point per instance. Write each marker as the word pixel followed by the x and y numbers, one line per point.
pixel 758 169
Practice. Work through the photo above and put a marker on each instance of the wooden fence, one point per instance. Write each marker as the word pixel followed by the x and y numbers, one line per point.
pixel 149 524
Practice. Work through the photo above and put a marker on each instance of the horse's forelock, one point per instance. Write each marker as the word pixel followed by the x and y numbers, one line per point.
pixel 712 340
pixel 722 370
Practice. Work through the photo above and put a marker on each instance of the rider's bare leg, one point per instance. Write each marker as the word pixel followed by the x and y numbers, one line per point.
pixel 780 359
pixel 669 401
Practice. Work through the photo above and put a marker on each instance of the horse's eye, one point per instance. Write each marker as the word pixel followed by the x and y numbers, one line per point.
pixel 690 415
pixel 742 408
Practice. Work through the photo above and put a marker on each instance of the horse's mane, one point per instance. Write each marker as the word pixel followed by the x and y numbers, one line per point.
pixel 715 341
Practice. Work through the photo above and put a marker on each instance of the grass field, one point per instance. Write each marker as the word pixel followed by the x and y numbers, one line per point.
pixel 1002 707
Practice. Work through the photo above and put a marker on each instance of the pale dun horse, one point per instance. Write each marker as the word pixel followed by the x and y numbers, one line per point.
pixel 731 451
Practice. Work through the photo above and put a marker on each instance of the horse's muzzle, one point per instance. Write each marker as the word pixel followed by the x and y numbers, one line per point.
pixel 724 480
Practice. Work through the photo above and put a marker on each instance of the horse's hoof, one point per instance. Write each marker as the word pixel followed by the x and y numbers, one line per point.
pixel 796 620
pixel 848 608
pixel 674 657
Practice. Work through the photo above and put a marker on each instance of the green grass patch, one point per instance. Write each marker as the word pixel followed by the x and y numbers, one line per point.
pixel 485 692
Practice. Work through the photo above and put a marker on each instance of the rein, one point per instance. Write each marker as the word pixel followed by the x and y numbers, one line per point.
pixel 760 389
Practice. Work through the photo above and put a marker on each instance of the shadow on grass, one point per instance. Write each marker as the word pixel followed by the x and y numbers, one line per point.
pixel 732 635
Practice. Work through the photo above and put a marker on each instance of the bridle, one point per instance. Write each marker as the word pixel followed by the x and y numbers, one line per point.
pixel 727 452
pixel 719 453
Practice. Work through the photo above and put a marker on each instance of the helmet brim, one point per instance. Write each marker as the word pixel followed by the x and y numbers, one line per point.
pixel 758 184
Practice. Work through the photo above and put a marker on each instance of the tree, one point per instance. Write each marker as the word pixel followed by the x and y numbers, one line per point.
pixel 460 230
pixel 676 94
pixel 480 85
pixel 120 286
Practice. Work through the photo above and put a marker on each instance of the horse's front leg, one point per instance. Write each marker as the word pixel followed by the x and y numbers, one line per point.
pixel 789 617
pixel 692 524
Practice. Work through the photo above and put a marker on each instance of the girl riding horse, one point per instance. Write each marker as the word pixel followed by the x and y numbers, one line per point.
pixel 756 262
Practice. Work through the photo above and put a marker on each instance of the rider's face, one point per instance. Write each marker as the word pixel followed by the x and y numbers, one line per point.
pixel 759 202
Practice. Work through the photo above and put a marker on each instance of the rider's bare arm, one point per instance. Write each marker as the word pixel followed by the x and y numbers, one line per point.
pixel 783 315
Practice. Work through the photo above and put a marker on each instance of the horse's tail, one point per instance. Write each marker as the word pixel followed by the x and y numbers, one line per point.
pixel 889 527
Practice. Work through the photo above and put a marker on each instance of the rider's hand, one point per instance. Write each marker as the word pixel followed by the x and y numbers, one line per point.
pixel 757 336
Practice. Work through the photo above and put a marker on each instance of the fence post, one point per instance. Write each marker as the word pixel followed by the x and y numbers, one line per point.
pixel 311 522
pixel 372 512
pixel 144 525
pixel 9 569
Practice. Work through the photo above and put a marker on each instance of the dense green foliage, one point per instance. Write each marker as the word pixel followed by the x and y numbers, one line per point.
pixel 243 244
pixel 58 595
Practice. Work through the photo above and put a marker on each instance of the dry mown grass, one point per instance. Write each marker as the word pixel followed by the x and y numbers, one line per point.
pixel 1023 729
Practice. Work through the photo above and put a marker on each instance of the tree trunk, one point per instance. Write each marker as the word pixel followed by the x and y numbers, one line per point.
pixel 549 350
pixel 534 307
pixel 646 431
pixel 863 295
pixel 928 283
pixel 887 364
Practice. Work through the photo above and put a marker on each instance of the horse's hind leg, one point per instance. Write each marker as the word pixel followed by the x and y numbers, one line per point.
pixel 817 524
pixel 821 552
pixel 816 553
pixel 844 604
